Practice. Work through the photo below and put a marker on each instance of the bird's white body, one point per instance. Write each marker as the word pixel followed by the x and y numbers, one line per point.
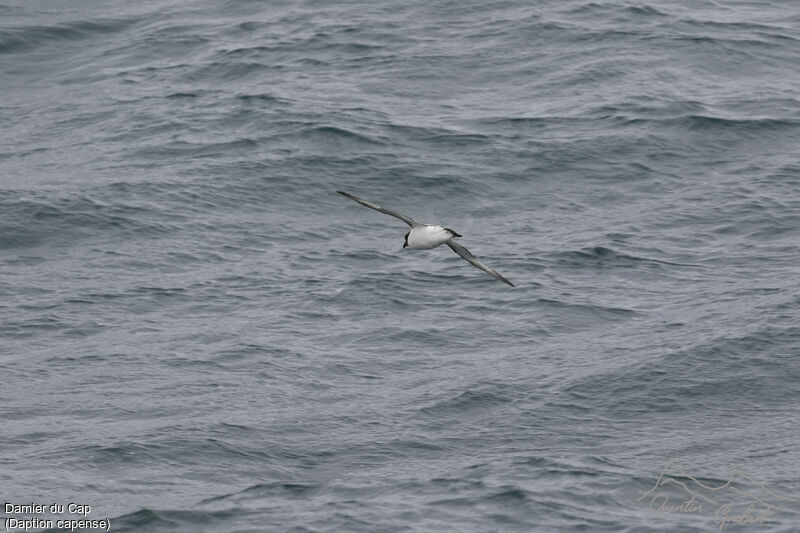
pixel 427 236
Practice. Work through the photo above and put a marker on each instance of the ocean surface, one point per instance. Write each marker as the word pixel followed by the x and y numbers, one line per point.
pixel 198 334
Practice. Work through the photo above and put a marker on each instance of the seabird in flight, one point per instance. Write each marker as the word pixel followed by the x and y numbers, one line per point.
pixel 427 236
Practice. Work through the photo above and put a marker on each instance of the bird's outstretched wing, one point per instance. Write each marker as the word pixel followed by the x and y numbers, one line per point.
pixel 463 252
pixel 407 220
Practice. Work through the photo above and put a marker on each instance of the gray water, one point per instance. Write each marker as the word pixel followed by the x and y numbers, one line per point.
pixel 198 334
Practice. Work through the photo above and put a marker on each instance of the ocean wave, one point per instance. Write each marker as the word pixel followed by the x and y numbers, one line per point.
pixel 465 403
pixel 725 374
pixel 605 257
pixel 30 221
pixel 26 38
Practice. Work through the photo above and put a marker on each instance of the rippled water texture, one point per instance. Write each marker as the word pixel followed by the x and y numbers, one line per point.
pixel 198 334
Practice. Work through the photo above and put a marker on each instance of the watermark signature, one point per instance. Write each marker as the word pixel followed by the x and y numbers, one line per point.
pixel 739 501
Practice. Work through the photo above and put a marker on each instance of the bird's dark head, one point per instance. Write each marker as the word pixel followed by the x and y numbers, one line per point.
pixel 405 244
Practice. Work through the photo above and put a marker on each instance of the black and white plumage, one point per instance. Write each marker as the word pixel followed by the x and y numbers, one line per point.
pixel 426 236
